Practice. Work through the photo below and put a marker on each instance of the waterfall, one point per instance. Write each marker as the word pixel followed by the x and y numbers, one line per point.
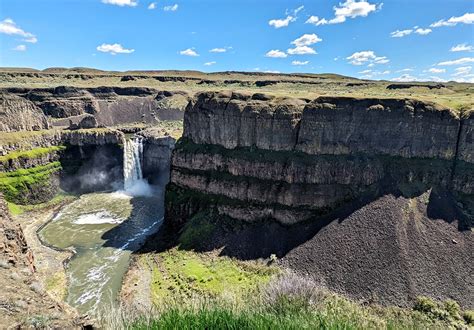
pixel 132 161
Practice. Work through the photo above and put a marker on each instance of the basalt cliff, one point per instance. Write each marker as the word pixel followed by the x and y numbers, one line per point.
pixel 372 197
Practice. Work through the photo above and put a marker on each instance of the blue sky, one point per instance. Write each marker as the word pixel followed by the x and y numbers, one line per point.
pixel 386 39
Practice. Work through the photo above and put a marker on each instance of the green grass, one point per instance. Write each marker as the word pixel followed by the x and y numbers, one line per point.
pixel 310 308
pixel 16 184
pixel 30 154
pixel 60 198
pixel 182 274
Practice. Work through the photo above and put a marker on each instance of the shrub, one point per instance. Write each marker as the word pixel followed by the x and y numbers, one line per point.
pixel 291 293
pixel 468 316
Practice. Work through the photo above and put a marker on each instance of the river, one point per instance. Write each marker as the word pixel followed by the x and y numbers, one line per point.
pixel 102 230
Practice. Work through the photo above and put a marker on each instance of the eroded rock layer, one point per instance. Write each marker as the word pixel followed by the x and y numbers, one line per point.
pixel 357 179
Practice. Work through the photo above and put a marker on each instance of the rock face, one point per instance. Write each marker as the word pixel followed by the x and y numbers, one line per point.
pixel 13 248
pixel 110 105
pixel 157 150
pixel 18 114
pixel 325 126
pixel 76 161
pixel 357 179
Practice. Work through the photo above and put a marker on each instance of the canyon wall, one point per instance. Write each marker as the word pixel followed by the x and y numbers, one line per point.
pixel 374 198
pixel 34 166
pixel 292 159
pixel 109 105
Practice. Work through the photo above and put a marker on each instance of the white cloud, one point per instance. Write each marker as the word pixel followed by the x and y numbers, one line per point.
pixel 350 8
pixel 20 48
pixel 284 22
pixel 405 77
pixel 8 26
pixel 171 8
pixel 435 70
pixel 152 6
pixel 405 70
pixel 367 57
pixel 400 33
pixel 114 49
pixel 365 71
pixel 121 3
pixel 437 79
pixel 460 61
pixel 462 71
pixel 301 50
pixel 220 50
pixel 299 62
pixel 209 63
pixel 32 40
pixel 462 48
pixel 271 71
pixel 423 32
pixel 306 40
pixel 467 18
pixel 279 23
pixel 275 53
pixel 403 33
pixel 189 52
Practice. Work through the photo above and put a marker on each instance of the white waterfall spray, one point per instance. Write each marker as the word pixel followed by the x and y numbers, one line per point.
pixel 132 161
pixel 132 167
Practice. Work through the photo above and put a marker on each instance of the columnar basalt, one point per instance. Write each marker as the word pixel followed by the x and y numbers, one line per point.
pixel 366 195
pixel 320 154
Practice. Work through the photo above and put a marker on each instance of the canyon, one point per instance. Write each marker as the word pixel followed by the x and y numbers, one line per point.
pixel 371 197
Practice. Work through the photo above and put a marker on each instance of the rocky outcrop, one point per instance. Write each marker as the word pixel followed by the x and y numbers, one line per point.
pixel 110 105
pixel 374 198
pixel 262 155
pixel 18 114
pixel 13 248
pixel 327 125
pixel 32 171
pixel 157 149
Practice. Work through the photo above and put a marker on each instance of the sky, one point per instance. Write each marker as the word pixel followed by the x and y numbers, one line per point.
pixel 399 40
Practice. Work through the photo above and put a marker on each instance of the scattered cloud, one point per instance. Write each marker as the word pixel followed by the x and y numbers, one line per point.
pixel 114 49
pixel 32 40
pixel 367 57
pixel 279 23
pixel 8 26
pixel 437 79
pixel 299 62
pixel 462 48
pixel 275 53
pixel 301 50
pixel 284 22
pixel 400 33
pixel 460 61
pixel 171 8
pixel 435 70
pixel 209 63
pixel 121 3
pixel 462 71
pixel 423 32
pixel 306 40
pixel 467 18
pixel 20 48
pixel 152 6
pixel 365 71
pixel 220 50
pixel 404 70
pixel 350 8
pixel 271 71
pixel 403 33
pixel 405 77
pixel 189 52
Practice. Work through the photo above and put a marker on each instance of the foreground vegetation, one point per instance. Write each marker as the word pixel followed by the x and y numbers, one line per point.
pixel 288 301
